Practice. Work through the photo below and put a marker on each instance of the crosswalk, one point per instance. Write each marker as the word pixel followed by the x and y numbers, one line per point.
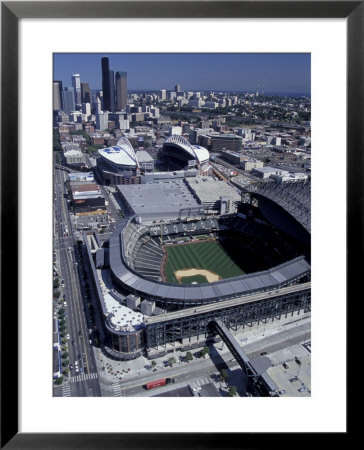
pixel 83 377
pixel 200 382
pixel 66 390
pixel 118 391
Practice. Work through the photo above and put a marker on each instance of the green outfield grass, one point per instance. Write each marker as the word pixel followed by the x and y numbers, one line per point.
pixel 201 255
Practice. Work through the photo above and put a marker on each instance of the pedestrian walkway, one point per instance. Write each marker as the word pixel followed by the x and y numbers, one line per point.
pixel 83 377
pixel 118 391
pixel 198 382
pixel 66 390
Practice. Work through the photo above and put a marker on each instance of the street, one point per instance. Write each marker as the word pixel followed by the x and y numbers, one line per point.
pixel 79 348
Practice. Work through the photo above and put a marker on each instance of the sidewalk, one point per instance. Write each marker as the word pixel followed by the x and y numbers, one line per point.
pixel 141 367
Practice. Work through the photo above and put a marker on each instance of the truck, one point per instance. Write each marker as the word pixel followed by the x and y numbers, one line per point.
pixel 157 383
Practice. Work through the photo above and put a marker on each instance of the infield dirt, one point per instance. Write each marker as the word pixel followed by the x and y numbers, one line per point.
pixel 210 276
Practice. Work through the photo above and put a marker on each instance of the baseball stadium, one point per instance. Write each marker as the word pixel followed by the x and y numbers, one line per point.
pixel 180 261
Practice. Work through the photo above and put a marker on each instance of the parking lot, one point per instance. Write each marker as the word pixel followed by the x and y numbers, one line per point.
pixel 291 371
pixel 91 221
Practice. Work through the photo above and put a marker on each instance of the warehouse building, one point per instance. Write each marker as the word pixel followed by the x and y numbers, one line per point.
pixel 159 200
pixel 215 195
pixel 226 142
pixel 233 157
pixel 87 198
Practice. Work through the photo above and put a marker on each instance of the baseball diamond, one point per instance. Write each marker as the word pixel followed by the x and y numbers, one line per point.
pixel 207 258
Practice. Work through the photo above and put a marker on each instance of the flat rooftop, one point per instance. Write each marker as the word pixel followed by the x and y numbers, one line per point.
pixel 143 156
pixel 207 189
pixel 160 199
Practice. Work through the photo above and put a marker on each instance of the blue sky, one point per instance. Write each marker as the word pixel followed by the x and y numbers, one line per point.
pixel 281 73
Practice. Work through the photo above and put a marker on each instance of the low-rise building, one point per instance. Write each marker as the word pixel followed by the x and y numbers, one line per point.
pixel 233 157
pixel 146 162
pixel 251 164
pixel 288 176
pixel 226 142
pixel 87 197
pixel 266 172
pixel 75 158
pixel 97 139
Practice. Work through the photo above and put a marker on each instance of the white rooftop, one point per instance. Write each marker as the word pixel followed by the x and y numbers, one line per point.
pixel 201 152
pixel 117 155
pixel 121 154
pixel 122 317
pixel 73 153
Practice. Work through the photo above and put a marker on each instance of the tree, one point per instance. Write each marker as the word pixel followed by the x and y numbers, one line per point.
pixel 58 380
pixel 232 391
pixel 64 355
pixel 57 294
pixel 65 363
pixel 223 375
pixel 189 356
pixel 171 361
pixel 205 351
pixel 154 363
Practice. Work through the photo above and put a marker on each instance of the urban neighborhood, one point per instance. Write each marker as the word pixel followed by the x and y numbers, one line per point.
pixel 181 229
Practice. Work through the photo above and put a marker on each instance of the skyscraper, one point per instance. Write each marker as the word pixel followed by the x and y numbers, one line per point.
pixel 112 90
pixel 105 83
pixel 121 90
pixel 57 96
pixel 76 84
pixel 85 93
pixel 68 100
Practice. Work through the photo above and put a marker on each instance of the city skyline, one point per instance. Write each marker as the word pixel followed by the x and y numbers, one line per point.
pixel 271 73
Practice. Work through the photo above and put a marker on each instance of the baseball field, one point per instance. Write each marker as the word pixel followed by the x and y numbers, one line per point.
pixel 200 262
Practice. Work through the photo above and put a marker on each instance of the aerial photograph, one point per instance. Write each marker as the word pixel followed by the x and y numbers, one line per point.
pixel 181 225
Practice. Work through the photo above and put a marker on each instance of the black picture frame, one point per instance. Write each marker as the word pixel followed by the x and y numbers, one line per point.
pixel 11 13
